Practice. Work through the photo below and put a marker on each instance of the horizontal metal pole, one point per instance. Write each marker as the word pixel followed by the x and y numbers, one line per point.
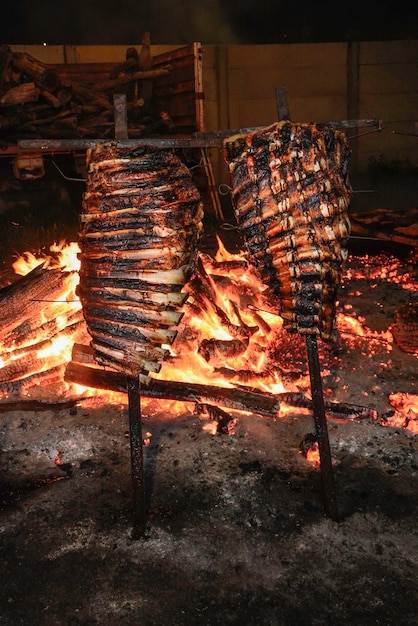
pixel 83 144
pixel 212 139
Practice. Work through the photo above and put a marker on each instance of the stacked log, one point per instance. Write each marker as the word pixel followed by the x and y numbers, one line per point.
pixel 34 314
pixel 36 101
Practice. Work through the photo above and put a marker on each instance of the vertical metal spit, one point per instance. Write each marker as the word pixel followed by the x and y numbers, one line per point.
pixel 137 459
pixel 139 516
pixel 327 478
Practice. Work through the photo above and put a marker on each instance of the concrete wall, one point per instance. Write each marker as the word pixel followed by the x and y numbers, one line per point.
pixel 324 82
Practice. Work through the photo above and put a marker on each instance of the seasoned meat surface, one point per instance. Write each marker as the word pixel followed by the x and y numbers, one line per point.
pixel 290 194
pixel 139 232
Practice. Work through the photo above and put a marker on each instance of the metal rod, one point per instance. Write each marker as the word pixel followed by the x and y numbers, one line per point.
pixel 210 139
pixel 137 460
pixel 330 502
pixel 121 116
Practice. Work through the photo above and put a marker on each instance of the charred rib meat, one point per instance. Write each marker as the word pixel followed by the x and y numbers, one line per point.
pixel 290 193
pixel 140 227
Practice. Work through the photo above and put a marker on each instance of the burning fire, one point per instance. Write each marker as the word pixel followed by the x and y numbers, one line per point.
pixel 63 256
pixel 312 456
pixel 227 329
pixel 42 339
pixel 231 333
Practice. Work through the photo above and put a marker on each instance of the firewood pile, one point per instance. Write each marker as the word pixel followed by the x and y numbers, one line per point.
pixel 34 316
pixel 388 225
pixel 40 101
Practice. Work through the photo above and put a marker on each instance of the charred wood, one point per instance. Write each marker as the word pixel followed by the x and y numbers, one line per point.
pixel 218 350
pixel 173 390
pixel 20 94
pixel 24 81
pixel 81 370
pixel 225 422
pixel 5 66
pixel 45 77
pixel 37 335
pixel 17 300
pixel 113 84
pixel 46 377
pixel 37 405
pixel 27 365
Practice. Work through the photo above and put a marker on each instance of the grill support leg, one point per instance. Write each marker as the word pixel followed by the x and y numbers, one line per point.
pixel 137 459
pixel 327 478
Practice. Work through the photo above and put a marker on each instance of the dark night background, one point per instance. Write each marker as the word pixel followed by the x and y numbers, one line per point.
pixel 209 21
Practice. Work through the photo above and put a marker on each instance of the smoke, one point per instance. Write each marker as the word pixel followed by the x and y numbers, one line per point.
pixel 186 21
pixel 108 22
pixel 181 22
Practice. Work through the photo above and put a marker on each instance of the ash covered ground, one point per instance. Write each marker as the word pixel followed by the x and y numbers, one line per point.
pixel 236 528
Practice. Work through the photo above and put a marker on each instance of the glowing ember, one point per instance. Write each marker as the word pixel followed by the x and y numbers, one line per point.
pixel 354 328
pixel 147 438
pixel 380 268
pixel 406 411
pixel 58 456
pixel 312 455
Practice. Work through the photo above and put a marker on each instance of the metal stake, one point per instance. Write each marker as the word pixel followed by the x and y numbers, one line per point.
pixel 137 460
pixel 327 479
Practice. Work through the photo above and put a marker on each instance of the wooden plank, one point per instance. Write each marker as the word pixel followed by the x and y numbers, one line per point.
pixel 179 92
pixel 177 89
pixel 283 112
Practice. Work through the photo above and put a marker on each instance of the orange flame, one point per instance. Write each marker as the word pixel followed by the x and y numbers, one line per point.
pixel 312 455
pixel 242 298
pixel 64 256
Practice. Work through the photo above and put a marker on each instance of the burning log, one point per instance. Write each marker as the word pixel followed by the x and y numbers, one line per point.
pixel 28 298
pixel 206 298
pixel 254 402
pixel 248 376
pixel 18 369
pixel 40 316
pixel 215 351
pixel 17 300
pixel 45 377
pixel 83 371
